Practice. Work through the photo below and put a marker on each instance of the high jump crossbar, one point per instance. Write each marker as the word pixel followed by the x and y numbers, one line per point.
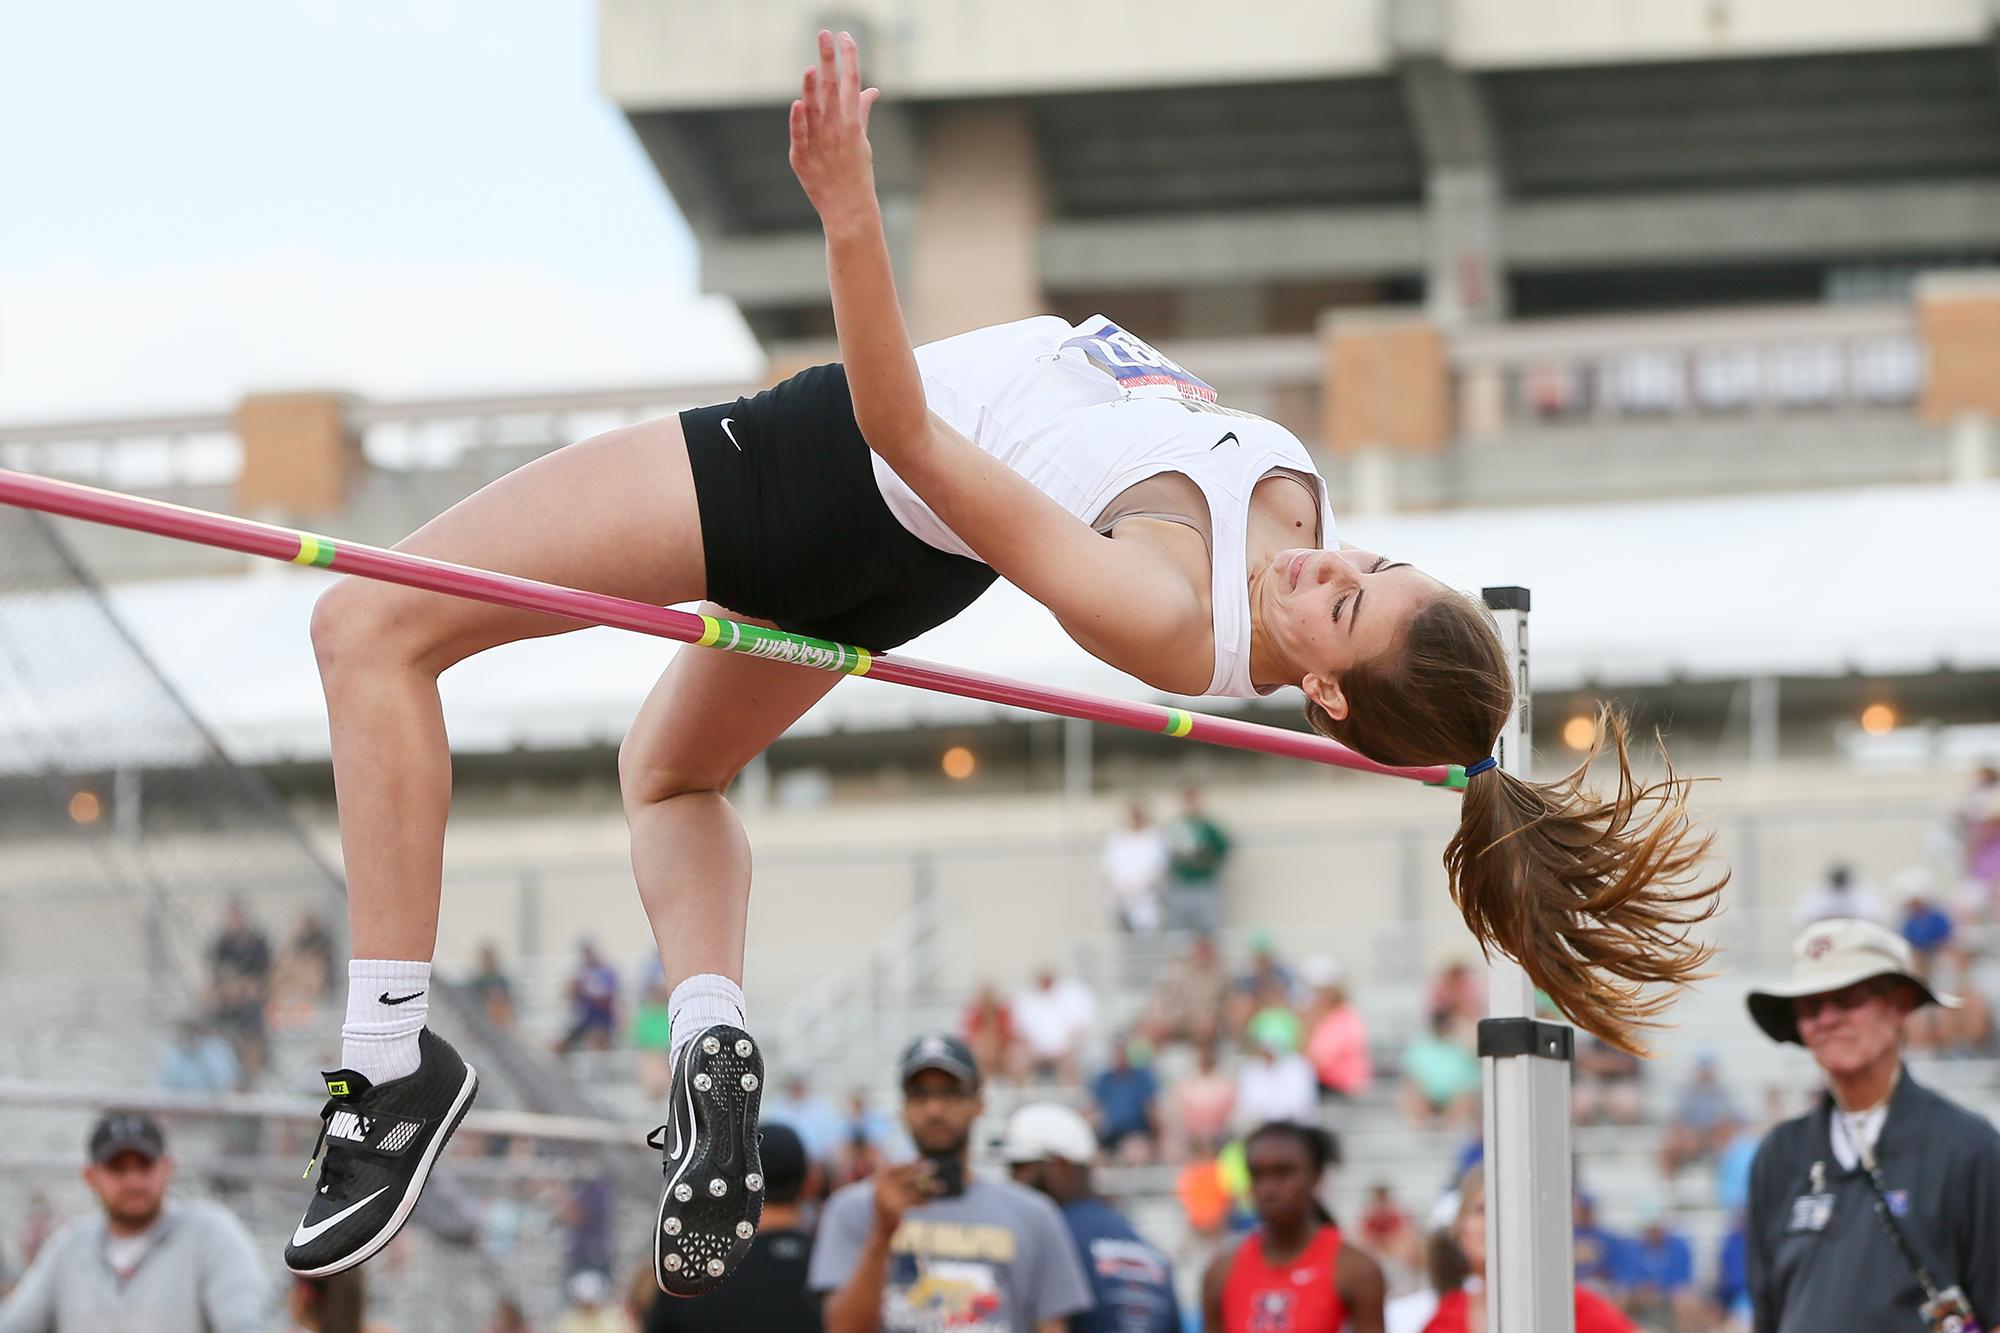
pixel 203 527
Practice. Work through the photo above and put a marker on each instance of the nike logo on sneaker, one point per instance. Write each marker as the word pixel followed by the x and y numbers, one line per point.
pixel 347 1125
pixel 383 998
pixel 306 1235
pixel 730 433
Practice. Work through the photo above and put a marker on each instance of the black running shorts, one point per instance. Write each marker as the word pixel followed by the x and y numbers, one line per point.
pixel 794 530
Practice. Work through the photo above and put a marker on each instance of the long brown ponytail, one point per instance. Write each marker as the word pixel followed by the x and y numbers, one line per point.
pixel 1593 895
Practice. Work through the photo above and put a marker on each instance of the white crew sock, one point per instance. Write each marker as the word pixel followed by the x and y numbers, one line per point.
pixel 702 1001
pixel 379 1040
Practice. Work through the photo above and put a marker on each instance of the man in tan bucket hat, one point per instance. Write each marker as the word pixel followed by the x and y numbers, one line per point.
pixel 1879 1209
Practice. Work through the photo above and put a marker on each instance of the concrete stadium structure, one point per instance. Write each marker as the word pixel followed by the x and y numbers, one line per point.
pixel 1230 177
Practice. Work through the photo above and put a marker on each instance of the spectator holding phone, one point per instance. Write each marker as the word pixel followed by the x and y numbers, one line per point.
pixel 928 1244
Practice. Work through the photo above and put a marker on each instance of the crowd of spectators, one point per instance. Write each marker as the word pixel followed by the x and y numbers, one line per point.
pixel 249 990
pixel 1218 1047
pixel 1167 876
pixel 1220 1044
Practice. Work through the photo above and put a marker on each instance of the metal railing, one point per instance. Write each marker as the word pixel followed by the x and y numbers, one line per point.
pixel 490 1225
pixel 1720 365
pixel 147 453
pixel 1510 379
pixel 486 433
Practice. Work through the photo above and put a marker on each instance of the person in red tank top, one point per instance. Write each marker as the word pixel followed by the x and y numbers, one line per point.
pixel 1464 1310
pixel 1292 1274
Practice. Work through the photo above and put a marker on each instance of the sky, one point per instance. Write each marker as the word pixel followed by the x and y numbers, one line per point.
pixel 426 196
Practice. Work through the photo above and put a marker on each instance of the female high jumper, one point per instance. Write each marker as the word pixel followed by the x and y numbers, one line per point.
pixel 1186 543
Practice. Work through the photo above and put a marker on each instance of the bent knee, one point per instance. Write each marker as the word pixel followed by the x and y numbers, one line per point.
pixel 652 769
pixel 357 624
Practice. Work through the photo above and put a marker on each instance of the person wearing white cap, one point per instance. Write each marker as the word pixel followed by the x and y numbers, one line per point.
pixel 1880 1208
pixel 1049 1147
pixel 590 1308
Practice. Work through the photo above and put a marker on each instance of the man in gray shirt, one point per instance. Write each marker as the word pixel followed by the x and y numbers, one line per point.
pixel 146 1264
pixel 927 1244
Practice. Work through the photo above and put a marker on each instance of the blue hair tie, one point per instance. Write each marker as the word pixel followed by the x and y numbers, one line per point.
pixel 1488 762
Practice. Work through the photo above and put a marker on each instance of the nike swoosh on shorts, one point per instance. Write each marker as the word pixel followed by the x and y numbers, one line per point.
pixel 730 433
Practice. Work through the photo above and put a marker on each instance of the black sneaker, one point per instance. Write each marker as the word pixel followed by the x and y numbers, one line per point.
pixel 714 1193
pixel 380 1144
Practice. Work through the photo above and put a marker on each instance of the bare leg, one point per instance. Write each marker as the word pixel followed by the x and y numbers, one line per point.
pixel 615 513
pixel 708 717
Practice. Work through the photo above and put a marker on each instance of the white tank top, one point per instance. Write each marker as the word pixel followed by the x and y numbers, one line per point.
pixel 1085 411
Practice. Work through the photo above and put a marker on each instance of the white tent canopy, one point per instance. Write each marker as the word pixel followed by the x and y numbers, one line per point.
pixel 1890 581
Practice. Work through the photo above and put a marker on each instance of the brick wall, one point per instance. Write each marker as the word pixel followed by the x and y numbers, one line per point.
pixel 299 453
pixel 1958 319
pixel 1388 382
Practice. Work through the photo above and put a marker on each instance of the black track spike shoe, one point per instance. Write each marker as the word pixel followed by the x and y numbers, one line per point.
pixel 377 1145
pixel 714 1191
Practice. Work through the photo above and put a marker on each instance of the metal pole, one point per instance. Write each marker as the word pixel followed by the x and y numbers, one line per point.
pixel 128 824
pixel 926 926
pixel 1076 761
pixel 527 918
pixel 1526 1064
pixel 1764 719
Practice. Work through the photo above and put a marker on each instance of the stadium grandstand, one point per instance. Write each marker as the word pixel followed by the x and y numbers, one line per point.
pixel 1686 317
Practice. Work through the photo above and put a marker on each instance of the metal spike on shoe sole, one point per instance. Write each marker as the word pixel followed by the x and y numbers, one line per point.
pixel 709 1215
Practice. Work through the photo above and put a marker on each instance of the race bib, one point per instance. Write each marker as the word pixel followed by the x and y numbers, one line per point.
pixel 1141 369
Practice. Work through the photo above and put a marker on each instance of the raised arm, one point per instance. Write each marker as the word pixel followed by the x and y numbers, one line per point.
pixel 1123 605
pixel 832 158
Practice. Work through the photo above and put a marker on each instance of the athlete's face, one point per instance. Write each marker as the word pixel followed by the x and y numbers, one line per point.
pixel 1282 1180
pixel 1327 612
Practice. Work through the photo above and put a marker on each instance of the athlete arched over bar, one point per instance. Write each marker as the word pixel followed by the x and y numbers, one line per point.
pixel 1184 542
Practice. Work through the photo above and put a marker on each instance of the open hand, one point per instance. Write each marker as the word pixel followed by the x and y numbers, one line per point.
pixel 830 152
